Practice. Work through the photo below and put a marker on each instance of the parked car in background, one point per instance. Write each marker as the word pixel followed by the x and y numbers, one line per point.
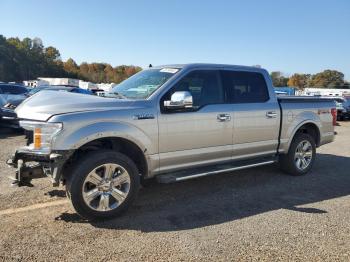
pixel 72 89
pixel 12 92
pixel 8 105
pixel 8 116
pixel 343 108
pixel 289 91
pixel 11 95
pixel 172 122
pixel 281 93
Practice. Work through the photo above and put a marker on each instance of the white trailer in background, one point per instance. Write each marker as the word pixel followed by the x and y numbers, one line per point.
pixel 35 83
pixel 87 85
pixel 324 92
pixel 60 81
pixel 103 87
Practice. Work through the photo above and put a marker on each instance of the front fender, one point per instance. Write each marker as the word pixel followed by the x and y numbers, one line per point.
pixel 73 139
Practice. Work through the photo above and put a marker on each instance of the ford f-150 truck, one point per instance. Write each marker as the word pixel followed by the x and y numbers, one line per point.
pixel 172 123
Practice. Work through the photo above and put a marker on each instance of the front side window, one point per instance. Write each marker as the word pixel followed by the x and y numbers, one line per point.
pixel 245 87
pixel 144 83
pixel 204 87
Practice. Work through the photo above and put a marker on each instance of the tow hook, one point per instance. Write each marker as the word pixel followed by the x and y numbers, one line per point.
pixel 25 172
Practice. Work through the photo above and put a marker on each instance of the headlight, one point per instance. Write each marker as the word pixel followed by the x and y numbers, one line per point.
pixel 43 135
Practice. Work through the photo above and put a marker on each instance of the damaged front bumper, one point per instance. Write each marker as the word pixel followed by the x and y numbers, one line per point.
pixel 31 166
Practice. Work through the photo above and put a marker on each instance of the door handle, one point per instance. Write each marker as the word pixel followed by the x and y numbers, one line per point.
pixel 271 114
pixel 223 117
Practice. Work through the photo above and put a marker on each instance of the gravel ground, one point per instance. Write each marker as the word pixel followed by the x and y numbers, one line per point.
pixel 256 214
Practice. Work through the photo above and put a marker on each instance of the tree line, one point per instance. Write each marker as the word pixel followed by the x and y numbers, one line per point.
pixel 29 59
pixel 326 79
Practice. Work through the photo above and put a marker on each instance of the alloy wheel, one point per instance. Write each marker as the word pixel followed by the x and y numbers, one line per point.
pixel 106 187
pixel 303 155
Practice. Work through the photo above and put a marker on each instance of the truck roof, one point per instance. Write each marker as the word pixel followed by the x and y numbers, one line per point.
pixel 205 65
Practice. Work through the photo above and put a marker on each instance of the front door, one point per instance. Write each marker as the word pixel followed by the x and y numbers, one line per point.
pixel 201 135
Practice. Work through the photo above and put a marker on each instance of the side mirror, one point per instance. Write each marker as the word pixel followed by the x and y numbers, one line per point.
pixel 179 100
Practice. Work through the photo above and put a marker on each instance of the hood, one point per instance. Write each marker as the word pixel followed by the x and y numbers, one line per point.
pixel 45 104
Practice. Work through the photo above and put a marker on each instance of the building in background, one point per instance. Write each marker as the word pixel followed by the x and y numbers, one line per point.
pixel 69 82
pixel 60 81
pixel 34 83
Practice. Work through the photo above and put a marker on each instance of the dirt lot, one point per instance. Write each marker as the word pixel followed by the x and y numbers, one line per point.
pixel 256 214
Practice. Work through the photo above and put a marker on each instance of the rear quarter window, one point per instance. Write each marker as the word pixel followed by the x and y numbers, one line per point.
pixel 245 87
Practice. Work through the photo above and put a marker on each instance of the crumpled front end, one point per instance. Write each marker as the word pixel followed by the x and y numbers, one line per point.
pixel 30 165
pixel 37 159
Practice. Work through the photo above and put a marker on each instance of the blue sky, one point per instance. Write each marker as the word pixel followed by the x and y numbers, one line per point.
pixel 289 36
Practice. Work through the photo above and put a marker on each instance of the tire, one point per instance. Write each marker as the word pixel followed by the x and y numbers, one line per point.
pixel 92 189
pixel 289 162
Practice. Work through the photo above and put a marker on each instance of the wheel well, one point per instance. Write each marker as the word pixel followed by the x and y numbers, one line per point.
pixel 121 145
pixel 312 130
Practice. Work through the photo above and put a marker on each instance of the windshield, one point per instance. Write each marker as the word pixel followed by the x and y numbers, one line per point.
pixel 339 100
pixel 36 90
pixel 346 102
pixel 144 83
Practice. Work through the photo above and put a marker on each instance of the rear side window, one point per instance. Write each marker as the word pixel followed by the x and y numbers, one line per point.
pixel 245 87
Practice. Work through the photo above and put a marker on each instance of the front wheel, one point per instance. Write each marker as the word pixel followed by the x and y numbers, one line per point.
pixel 103 185
pixel 301 155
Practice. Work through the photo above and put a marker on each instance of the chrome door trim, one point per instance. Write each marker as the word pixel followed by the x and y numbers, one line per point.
pixel 223 117
pixel 271 114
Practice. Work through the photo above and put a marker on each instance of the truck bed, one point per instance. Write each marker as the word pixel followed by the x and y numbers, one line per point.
pixel 315 109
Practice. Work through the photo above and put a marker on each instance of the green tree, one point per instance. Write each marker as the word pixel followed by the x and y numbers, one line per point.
pixel 8 64
pixel 28 59
pixel 327 79
pixel 71 67
pixel 278 79
pixel 300 81
pixel 52 53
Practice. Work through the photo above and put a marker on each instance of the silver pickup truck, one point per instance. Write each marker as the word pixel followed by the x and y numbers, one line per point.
pixel 171 123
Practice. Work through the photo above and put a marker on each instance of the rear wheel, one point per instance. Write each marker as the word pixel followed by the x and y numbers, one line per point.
pixel 103 185
pixel 301 155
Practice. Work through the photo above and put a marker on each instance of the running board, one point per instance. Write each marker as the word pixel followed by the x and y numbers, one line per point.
pixel 213 170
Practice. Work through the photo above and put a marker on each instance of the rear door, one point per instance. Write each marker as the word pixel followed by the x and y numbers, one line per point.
pixel 256 115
